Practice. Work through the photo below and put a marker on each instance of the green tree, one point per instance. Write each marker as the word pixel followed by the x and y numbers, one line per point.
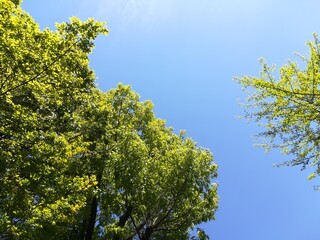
pixel 152 183
pixel 288 106
pixel 44 78
pixel 76 163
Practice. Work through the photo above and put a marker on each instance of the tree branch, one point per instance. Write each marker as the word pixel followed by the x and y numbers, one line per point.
pixel 46 68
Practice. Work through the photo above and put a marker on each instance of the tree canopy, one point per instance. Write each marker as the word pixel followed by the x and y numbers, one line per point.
pixel 151 181
pixel 287 105
pixel 77 163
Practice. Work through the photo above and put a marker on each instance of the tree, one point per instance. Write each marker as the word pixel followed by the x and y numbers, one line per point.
pixel 76 163
pixel 152 183
pixel 288 106
pixel 44 78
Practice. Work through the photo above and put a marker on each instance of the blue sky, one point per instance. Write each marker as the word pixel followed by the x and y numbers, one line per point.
pixel 183 55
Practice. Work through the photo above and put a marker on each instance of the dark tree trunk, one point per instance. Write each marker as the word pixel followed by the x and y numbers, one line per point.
pixel 93 213
pixel 92 219
pixel 147 234
pixel 123 219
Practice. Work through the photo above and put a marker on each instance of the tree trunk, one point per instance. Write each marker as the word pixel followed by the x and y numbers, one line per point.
pixel 147 234
pixel 123 219
pixel 93 213
pixel 92 219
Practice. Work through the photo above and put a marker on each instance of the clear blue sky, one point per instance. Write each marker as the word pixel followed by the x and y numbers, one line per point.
pixel 183 54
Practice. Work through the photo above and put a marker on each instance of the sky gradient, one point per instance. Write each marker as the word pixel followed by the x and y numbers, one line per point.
pixel 183 56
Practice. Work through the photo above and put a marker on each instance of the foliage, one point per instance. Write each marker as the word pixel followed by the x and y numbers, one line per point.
pixel 76 163
pixel 44 78
pixel 288 107
pixel 151 181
